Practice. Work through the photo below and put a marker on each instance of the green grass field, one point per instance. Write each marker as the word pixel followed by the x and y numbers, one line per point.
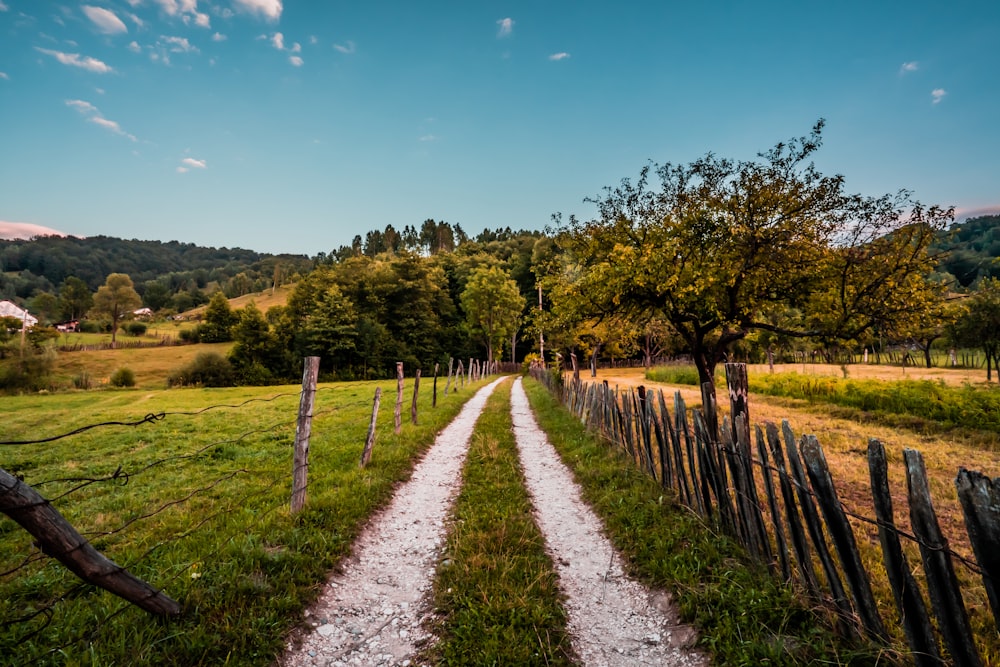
pixel 200 509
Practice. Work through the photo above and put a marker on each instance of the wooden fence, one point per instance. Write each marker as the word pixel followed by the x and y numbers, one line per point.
pixel 775 495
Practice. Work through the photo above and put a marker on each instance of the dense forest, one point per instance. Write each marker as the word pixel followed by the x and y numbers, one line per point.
pixel 970 251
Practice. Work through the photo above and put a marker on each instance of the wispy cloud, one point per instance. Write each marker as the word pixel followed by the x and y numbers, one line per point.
pixel 295 60
pixel 218 37
pixel 179 44
pixel 314 40
pixel 428 137
pixel 25 230
pixel 136 20
pixel 187 10
pixel 937 95
pixel 268 9
pixel 3 7
pixel 134 47
pixel 278 41
pixel 3 75
pixel 296 48
pixel 94 116
pixel 189 163
pixel 962 213
pixel 105 20
pixel 506 26
pixel 911 66
pixel 562 55
pixel 347 48
pixel 75 60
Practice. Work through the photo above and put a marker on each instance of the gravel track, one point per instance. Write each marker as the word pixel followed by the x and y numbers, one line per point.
pixel 375 611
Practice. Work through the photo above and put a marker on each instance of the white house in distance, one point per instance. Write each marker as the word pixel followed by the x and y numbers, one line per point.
pixel 11 309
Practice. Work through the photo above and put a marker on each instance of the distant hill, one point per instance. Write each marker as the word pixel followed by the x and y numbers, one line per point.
pixel 971 250
pixel 41 264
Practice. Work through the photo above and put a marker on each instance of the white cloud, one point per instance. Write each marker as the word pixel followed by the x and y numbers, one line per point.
pixel 136 20
pixel 3 7
pixel 428 137
pixel 506 27
pixel 938 94
pixel 202 20
pixel 187 10
pixel 218 37
pixel 3 75
pixel 74 59
pixel 179 44
pixel 82 106
pixel 345 48
pixel 181 170
pixel 295 60
pixel 99 91
pixel 111 125
pixel 296 47
pixel 278 41
pixel 94 116
pixel 314 40
pixel 134 47
pixel 911 66
pixel 25 230
pixel 105 20
pixel 194 164
pixel 559 56
pixel 268 9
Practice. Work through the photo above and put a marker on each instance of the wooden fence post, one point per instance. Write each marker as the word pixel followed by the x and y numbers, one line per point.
pixel 434 397
pixel 366 455
pixel 58 539
pixel 399 397
pixel 980 497
pixel 416 390
pixel 945 594
pixel 909 602
pixel 303 429
pixel 447 385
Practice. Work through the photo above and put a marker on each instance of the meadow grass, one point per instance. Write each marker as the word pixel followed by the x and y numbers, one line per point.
pixel 200 509
pixel 496 589
pixel 946 405
pixel 743 614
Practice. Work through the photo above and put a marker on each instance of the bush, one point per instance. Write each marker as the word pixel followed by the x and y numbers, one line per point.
pixel 136 328
pixel 83 381
pixel 208 369
pixel 123 377
pixel 192 335
pixel 28 373
pixel 89 326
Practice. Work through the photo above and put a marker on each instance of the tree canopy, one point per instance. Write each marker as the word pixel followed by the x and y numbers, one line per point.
pixel 116 298
pixel 719 248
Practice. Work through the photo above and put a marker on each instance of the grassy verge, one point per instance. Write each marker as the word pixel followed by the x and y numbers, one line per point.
pixel 744 616
pixel 965 406
pixel 496 587
pixel 208 522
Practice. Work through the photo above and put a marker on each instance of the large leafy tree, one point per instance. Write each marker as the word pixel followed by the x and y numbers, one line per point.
pixel 493 306
pixel 977 324
pixel 75 298
pixel 219 320
pixel 717 248
pixel 116 299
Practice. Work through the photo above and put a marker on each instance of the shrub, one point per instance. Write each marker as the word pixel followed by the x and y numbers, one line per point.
pixel 89 326
pixel 208 369
pixel 192 335
pixel 136 328
pixel 123 377
pixel 28 373
pixel 83 381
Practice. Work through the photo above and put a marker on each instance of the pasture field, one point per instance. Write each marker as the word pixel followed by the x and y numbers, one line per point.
pixel 194 501
pixel 151 365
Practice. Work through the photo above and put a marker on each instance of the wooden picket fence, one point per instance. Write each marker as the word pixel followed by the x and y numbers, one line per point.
pixel 775 495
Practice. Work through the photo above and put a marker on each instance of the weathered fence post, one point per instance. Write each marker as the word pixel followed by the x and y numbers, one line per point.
pixel 434 397
pixel 58 539
pixel 576 369
pixel 416 390
pixel 909 602
pixel 366 455
pixel 399 397
pixel 303 429
pixel 942 586
pixel 980 497
pixel 447 385
pixel 843 539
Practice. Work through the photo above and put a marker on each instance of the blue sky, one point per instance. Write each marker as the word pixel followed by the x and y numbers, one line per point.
pixel 291 126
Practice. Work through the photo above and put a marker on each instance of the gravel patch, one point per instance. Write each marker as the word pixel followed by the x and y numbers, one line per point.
pixel 373 613
pixel 613 619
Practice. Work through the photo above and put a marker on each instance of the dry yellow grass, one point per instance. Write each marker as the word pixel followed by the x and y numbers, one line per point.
pixel 151 365
pixel 263 300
